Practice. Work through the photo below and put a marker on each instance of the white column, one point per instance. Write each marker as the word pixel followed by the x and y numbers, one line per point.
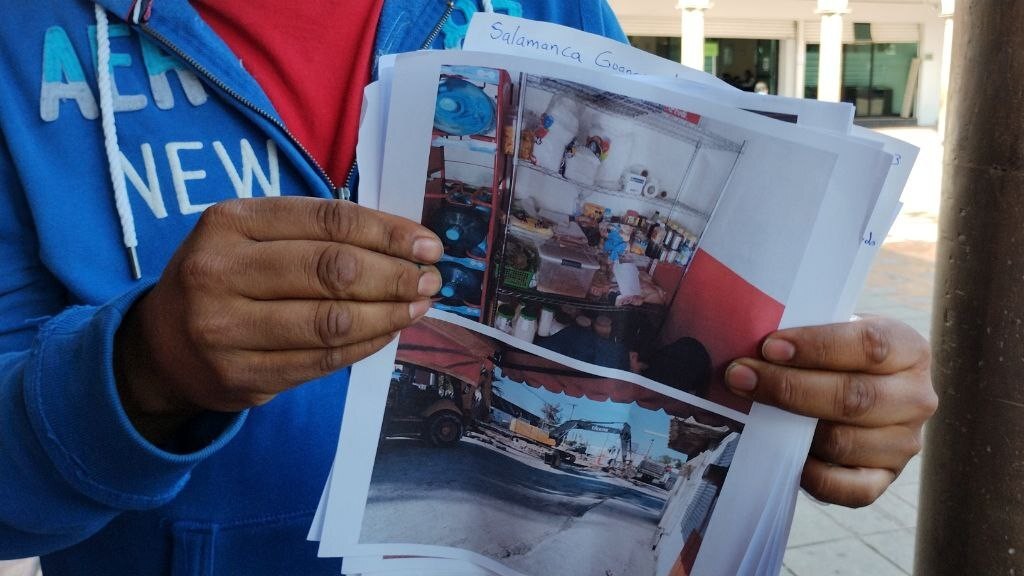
pixel 787 67
pixel 948 8
pixel 800 73
pixel 830 66
pixel 692 29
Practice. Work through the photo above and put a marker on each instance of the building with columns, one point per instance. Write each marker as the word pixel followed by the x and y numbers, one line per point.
pixel 889 58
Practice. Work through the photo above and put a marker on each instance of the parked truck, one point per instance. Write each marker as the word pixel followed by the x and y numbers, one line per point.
pixel 434 406
pixel 561 456
pixel 527 431
pixel 651 472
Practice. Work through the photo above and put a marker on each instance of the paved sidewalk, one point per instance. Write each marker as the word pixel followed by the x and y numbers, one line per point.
pixel 879 540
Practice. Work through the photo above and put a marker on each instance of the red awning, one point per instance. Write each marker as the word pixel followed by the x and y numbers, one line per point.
pixel 540 372
pixel 465 354
pixel 448 349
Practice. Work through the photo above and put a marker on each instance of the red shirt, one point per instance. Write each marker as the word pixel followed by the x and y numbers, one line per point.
pixel 312 58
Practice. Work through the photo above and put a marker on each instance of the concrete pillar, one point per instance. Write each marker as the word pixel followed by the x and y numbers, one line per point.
pixel 972 494
pixel 830 65
pixel 800 71
pixel 692 29
pixel 948 9
pixel 787 67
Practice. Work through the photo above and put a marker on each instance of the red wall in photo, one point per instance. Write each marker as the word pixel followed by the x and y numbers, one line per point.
pixel 729 315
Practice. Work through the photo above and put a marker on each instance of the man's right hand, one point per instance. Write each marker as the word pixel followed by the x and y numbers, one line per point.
pixel 264 295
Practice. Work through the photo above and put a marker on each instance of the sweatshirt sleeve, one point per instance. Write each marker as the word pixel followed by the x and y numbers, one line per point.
pixel 600 19
pixel 70 460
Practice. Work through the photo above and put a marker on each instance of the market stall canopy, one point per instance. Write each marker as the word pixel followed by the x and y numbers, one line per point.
pixel 540 372
pixel 448 349
pixel 465 354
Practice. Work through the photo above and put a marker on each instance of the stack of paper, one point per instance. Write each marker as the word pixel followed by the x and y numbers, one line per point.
pixel 529 428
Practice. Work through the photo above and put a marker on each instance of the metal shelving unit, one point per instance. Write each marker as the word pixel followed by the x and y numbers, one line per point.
pixel 671 122
pixel 668 121
pixel 667 203
pixel 437 191
pixel 655 118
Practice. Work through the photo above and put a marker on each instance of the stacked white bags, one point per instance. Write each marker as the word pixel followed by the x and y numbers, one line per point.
pixel 558 129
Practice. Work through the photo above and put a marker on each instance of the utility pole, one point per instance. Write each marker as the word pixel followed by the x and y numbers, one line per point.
pixel 972 494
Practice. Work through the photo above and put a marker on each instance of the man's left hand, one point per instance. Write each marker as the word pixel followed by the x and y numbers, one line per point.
pixel 868 382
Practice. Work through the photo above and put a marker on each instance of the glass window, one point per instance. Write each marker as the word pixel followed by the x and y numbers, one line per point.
pixel 750 65
pixel 874 75
pixel 891 69
pixel 746 64
pixel 811 70
pixel 669 47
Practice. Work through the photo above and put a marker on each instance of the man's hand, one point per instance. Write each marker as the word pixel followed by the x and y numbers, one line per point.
pixel 265 295
pixel 869 383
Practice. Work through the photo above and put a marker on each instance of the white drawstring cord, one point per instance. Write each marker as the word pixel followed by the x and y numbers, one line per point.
pixel 141 10
pixel 106 87
pixel 488 5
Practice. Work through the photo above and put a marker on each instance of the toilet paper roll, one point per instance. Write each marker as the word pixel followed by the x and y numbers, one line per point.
pixel 651 189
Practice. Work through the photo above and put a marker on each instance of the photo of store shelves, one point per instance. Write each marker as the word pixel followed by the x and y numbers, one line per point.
pixel 463 191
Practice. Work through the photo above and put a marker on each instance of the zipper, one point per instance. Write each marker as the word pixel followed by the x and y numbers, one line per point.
pixel 345 192
pixel 337 192
pixel 440 24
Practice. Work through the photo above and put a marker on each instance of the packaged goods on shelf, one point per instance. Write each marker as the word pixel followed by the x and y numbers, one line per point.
pixel 621 139
pixel 566 271
pixel 459 284
pixel 558 128
pixel 582 166
pixel 463 108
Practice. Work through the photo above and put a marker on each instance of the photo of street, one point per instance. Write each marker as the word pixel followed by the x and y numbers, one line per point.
pixel 470 497
pixel 548 470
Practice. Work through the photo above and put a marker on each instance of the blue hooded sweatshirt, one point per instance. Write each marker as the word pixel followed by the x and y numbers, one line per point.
pixel 78 485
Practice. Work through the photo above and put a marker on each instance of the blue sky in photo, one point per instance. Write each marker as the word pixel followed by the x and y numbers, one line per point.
pixel 649 427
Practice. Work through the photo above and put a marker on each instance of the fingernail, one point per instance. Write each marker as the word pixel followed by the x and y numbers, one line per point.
pixel 430 284
pixel 427 250
pixel 741 378
pixel 418 309
pixel 778 350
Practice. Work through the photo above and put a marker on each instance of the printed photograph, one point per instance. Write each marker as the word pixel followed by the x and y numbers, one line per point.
pixel 572 218
pixel 543 468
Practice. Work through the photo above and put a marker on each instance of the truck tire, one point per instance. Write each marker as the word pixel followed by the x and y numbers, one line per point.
pixel 555 460
pixel 443 429
pixel 558 458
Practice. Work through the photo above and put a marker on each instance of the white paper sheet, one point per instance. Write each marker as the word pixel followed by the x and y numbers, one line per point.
pixel 510 36
pixel 764 528
pixel 732 213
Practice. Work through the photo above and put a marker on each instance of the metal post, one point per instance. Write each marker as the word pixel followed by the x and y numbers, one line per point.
pixel 972 496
